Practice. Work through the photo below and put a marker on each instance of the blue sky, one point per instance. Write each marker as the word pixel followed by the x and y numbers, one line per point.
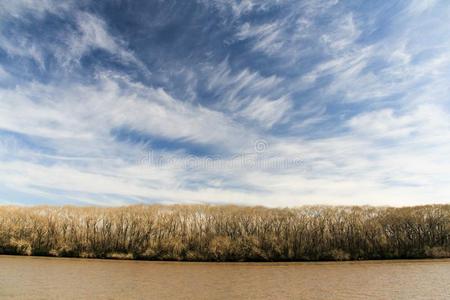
pixel 277 103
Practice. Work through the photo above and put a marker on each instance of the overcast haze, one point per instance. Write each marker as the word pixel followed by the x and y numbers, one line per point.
pixel 277 103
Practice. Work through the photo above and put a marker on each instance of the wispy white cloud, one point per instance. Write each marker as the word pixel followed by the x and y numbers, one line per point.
pixel 90 33
pixel 419 6
pixel 3 74
pixel 19 8
pixel 267 112
pixel 343 35
pixel 239 8
pixel 92 111
pixel 230 85
pixel 267 38
pixel 247 94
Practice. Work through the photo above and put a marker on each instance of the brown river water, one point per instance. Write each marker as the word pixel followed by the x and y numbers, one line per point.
pixel 63 278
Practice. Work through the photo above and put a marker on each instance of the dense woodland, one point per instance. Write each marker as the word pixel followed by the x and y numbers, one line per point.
pixel 227 233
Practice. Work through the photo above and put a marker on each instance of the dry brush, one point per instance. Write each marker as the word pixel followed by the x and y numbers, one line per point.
pixel 227 233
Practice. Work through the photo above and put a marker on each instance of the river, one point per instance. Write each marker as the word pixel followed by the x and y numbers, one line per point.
pixel 64 278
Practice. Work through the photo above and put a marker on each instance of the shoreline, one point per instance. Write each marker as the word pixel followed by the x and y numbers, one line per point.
pixel 268 263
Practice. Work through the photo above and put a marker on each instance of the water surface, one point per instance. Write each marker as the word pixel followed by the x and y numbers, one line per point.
pixel 62 278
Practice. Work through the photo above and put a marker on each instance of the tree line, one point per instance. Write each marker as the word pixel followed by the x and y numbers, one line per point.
pixel 227 233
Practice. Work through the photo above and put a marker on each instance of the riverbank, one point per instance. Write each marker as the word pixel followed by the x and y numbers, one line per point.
pixel 227 233
pixel 238 263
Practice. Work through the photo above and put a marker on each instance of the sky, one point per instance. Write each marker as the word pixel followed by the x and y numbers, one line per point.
pixel 276 103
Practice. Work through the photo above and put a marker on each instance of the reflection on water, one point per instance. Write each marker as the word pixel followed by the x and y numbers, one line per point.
pixel 59 278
